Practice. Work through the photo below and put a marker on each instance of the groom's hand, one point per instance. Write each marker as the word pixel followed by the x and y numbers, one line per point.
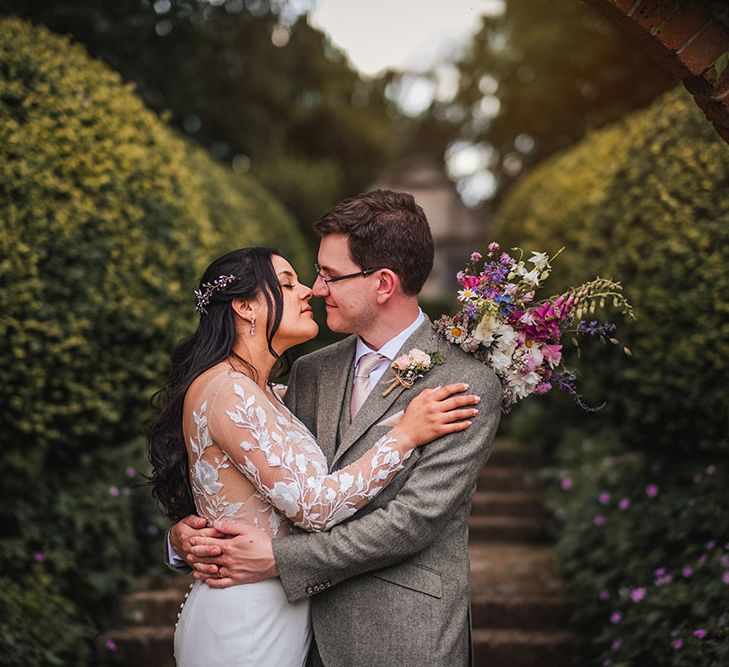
pixel 245 557
pixel 185 529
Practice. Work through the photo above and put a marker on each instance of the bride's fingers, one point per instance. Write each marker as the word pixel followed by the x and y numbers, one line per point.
pixel 441 393
pixel 458 415
pixel 205 569
pixel 223 582
pixel 459 401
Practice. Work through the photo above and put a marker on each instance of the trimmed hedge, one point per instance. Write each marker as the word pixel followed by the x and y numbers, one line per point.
pixel 106 219
pixel 646 202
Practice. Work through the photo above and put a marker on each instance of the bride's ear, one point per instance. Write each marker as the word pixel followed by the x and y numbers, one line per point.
pixel 243 309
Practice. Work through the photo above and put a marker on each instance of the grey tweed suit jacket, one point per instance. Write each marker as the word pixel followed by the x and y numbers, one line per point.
pixel 390 586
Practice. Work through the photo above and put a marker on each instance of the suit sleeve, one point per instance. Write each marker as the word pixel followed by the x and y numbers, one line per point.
pixel 442 479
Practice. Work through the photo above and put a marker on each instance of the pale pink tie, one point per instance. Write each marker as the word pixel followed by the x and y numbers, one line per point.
pixel 362 387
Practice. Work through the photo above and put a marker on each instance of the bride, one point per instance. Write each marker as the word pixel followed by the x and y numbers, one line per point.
pixel 223 445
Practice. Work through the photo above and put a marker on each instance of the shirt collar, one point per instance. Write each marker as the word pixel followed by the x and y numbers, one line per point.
pixel 392 346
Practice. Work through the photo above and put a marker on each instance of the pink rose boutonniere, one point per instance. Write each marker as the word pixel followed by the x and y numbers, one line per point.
pixel 410 367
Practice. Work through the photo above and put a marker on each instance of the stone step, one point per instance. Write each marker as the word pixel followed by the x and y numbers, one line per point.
pixel 496 478
pixel 508 503
pixel 141 647
pixel 508 456
pixel 151 608
pixel 176 581
pixel 530 612
pixel 516 648
pixel 507 529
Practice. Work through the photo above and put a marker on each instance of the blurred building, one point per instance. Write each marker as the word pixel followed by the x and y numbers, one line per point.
pixel 457 230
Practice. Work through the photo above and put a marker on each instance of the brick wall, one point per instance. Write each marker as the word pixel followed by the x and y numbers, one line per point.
pixel 689 39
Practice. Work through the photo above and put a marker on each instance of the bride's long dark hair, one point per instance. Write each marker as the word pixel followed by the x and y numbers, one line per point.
pixel 210 344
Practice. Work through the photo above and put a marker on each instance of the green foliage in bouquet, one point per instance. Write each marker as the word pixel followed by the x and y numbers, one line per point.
pixel 645 202
pixel 106 219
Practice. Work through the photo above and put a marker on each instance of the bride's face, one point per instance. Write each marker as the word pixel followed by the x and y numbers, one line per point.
pixel 297 320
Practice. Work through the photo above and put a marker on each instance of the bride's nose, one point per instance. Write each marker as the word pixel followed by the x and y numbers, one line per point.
pixel 306 293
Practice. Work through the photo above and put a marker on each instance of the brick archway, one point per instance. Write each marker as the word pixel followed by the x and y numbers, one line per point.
pixel 689 39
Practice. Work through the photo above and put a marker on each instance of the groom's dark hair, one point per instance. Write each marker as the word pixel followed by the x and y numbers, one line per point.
pixel 385 229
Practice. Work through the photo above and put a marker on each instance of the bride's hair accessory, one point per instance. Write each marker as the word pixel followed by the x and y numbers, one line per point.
pixel 207 290
pixel 411 367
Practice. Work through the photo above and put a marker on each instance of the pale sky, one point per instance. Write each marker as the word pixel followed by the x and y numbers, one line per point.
pixel 400 34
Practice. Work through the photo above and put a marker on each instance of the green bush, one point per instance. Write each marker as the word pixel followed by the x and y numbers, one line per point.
pixel 645 202
pixel 106 219
pixel 645 545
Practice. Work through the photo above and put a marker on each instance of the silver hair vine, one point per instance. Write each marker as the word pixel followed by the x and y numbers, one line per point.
pixel 207 290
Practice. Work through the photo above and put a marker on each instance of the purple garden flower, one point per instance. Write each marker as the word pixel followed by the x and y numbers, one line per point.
pixel 131 472
pixel 111 644
pixel 725 577
pixel 700 633
pixel 566 484
pixel 616 617
pixel 710 545
pixel 687 572
pixel 599 520
pixel 676 645
pixel 39 556
pixel 638 594
pixel 604 596
pixel 616 645
pixel 114 491
pixel 651 490
pixel 710 470
pixel 604 498
pixel 624 504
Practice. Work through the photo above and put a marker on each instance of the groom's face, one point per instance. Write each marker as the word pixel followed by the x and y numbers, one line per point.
pixel 351 304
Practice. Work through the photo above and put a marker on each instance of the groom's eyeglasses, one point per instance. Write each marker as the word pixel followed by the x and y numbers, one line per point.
pixel 336 279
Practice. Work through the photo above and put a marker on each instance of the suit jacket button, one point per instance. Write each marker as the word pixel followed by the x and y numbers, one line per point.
pixel 308 590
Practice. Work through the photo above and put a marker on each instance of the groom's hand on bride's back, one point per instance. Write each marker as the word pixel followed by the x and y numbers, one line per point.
pixel 244 555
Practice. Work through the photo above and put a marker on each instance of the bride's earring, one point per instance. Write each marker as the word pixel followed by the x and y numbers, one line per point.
pixel 253 326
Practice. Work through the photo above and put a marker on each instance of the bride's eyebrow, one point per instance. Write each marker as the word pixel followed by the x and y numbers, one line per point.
pixel 287 273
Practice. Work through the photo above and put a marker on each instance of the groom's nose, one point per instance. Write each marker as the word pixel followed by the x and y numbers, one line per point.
pixel 319 288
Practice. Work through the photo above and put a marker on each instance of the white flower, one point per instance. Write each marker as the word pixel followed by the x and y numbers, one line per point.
pixel 539 259
pixel 470 345
pixel 286 498
pixel 456 334
pixel 500 359
pixel 532 277
pixel 523 384
pixel 466 294
pixel 484 332
pixel 507 338
pixel 206 476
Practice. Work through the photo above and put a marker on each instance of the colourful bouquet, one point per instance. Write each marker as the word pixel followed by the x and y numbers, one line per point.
pixel 520 339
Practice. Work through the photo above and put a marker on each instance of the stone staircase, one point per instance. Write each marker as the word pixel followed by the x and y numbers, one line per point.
pixel 520 609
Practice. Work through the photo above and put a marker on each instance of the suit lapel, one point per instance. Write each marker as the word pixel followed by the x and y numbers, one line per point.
pixel 332 389
pixel 376 404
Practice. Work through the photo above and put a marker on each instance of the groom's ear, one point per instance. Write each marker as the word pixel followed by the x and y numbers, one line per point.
pixel 388 285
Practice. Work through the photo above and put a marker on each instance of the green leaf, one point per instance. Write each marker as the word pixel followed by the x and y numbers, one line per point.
pixel 721 64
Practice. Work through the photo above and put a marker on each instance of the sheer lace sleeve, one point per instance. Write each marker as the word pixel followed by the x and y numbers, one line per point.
pixel 282 460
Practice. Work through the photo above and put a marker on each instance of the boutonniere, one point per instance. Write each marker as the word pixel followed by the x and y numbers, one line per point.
pixel 412 366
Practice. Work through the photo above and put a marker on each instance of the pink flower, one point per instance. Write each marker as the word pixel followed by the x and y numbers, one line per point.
pixel 604 596
pixel 660 572
pixel 471 282
pixel 131 472
pixel 401 363
pixel 493 246
pixel 552 354
pixel 700 633
pixel 687 572
pixel 702 559
pixel 566 484
pixel 616 645
pixel 598 520
pixel 616 617
pixel 111 644
pixel 39 556
pixel 475 256
pixel 710 470
pixel 604 498
pixel 624 504
pixel 710 545
pixel 638 594
pixel 676 645
pixel 725 577
pixel 542 388
pixel 651 490
pixel 114 491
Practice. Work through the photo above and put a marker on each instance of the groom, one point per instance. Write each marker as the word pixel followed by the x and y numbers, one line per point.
pixel 390 586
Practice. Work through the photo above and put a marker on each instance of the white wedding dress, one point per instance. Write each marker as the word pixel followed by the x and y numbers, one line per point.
pixel 251 459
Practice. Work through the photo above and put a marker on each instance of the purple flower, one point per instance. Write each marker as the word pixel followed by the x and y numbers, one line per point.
pixel 616 617
pixel 663 580
pixel 604 498
pixel 710 545
pixel 624 504
pixel 598 520
pixel 702 558
pixel 721 621
pixel 696 477
pixel 616 644
pixel 604 596
pixel 660 572
pixel 676 645
pixel 39 556
pixel 152 530
pixel 687 572
pixel 700 633
pixel 638 594
pixel 131 472
pixel 710 470
pixel 725 577
pixel 566 484
pixel 111 644
pixel 114 491
pixel 651 490
pixel 493 246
